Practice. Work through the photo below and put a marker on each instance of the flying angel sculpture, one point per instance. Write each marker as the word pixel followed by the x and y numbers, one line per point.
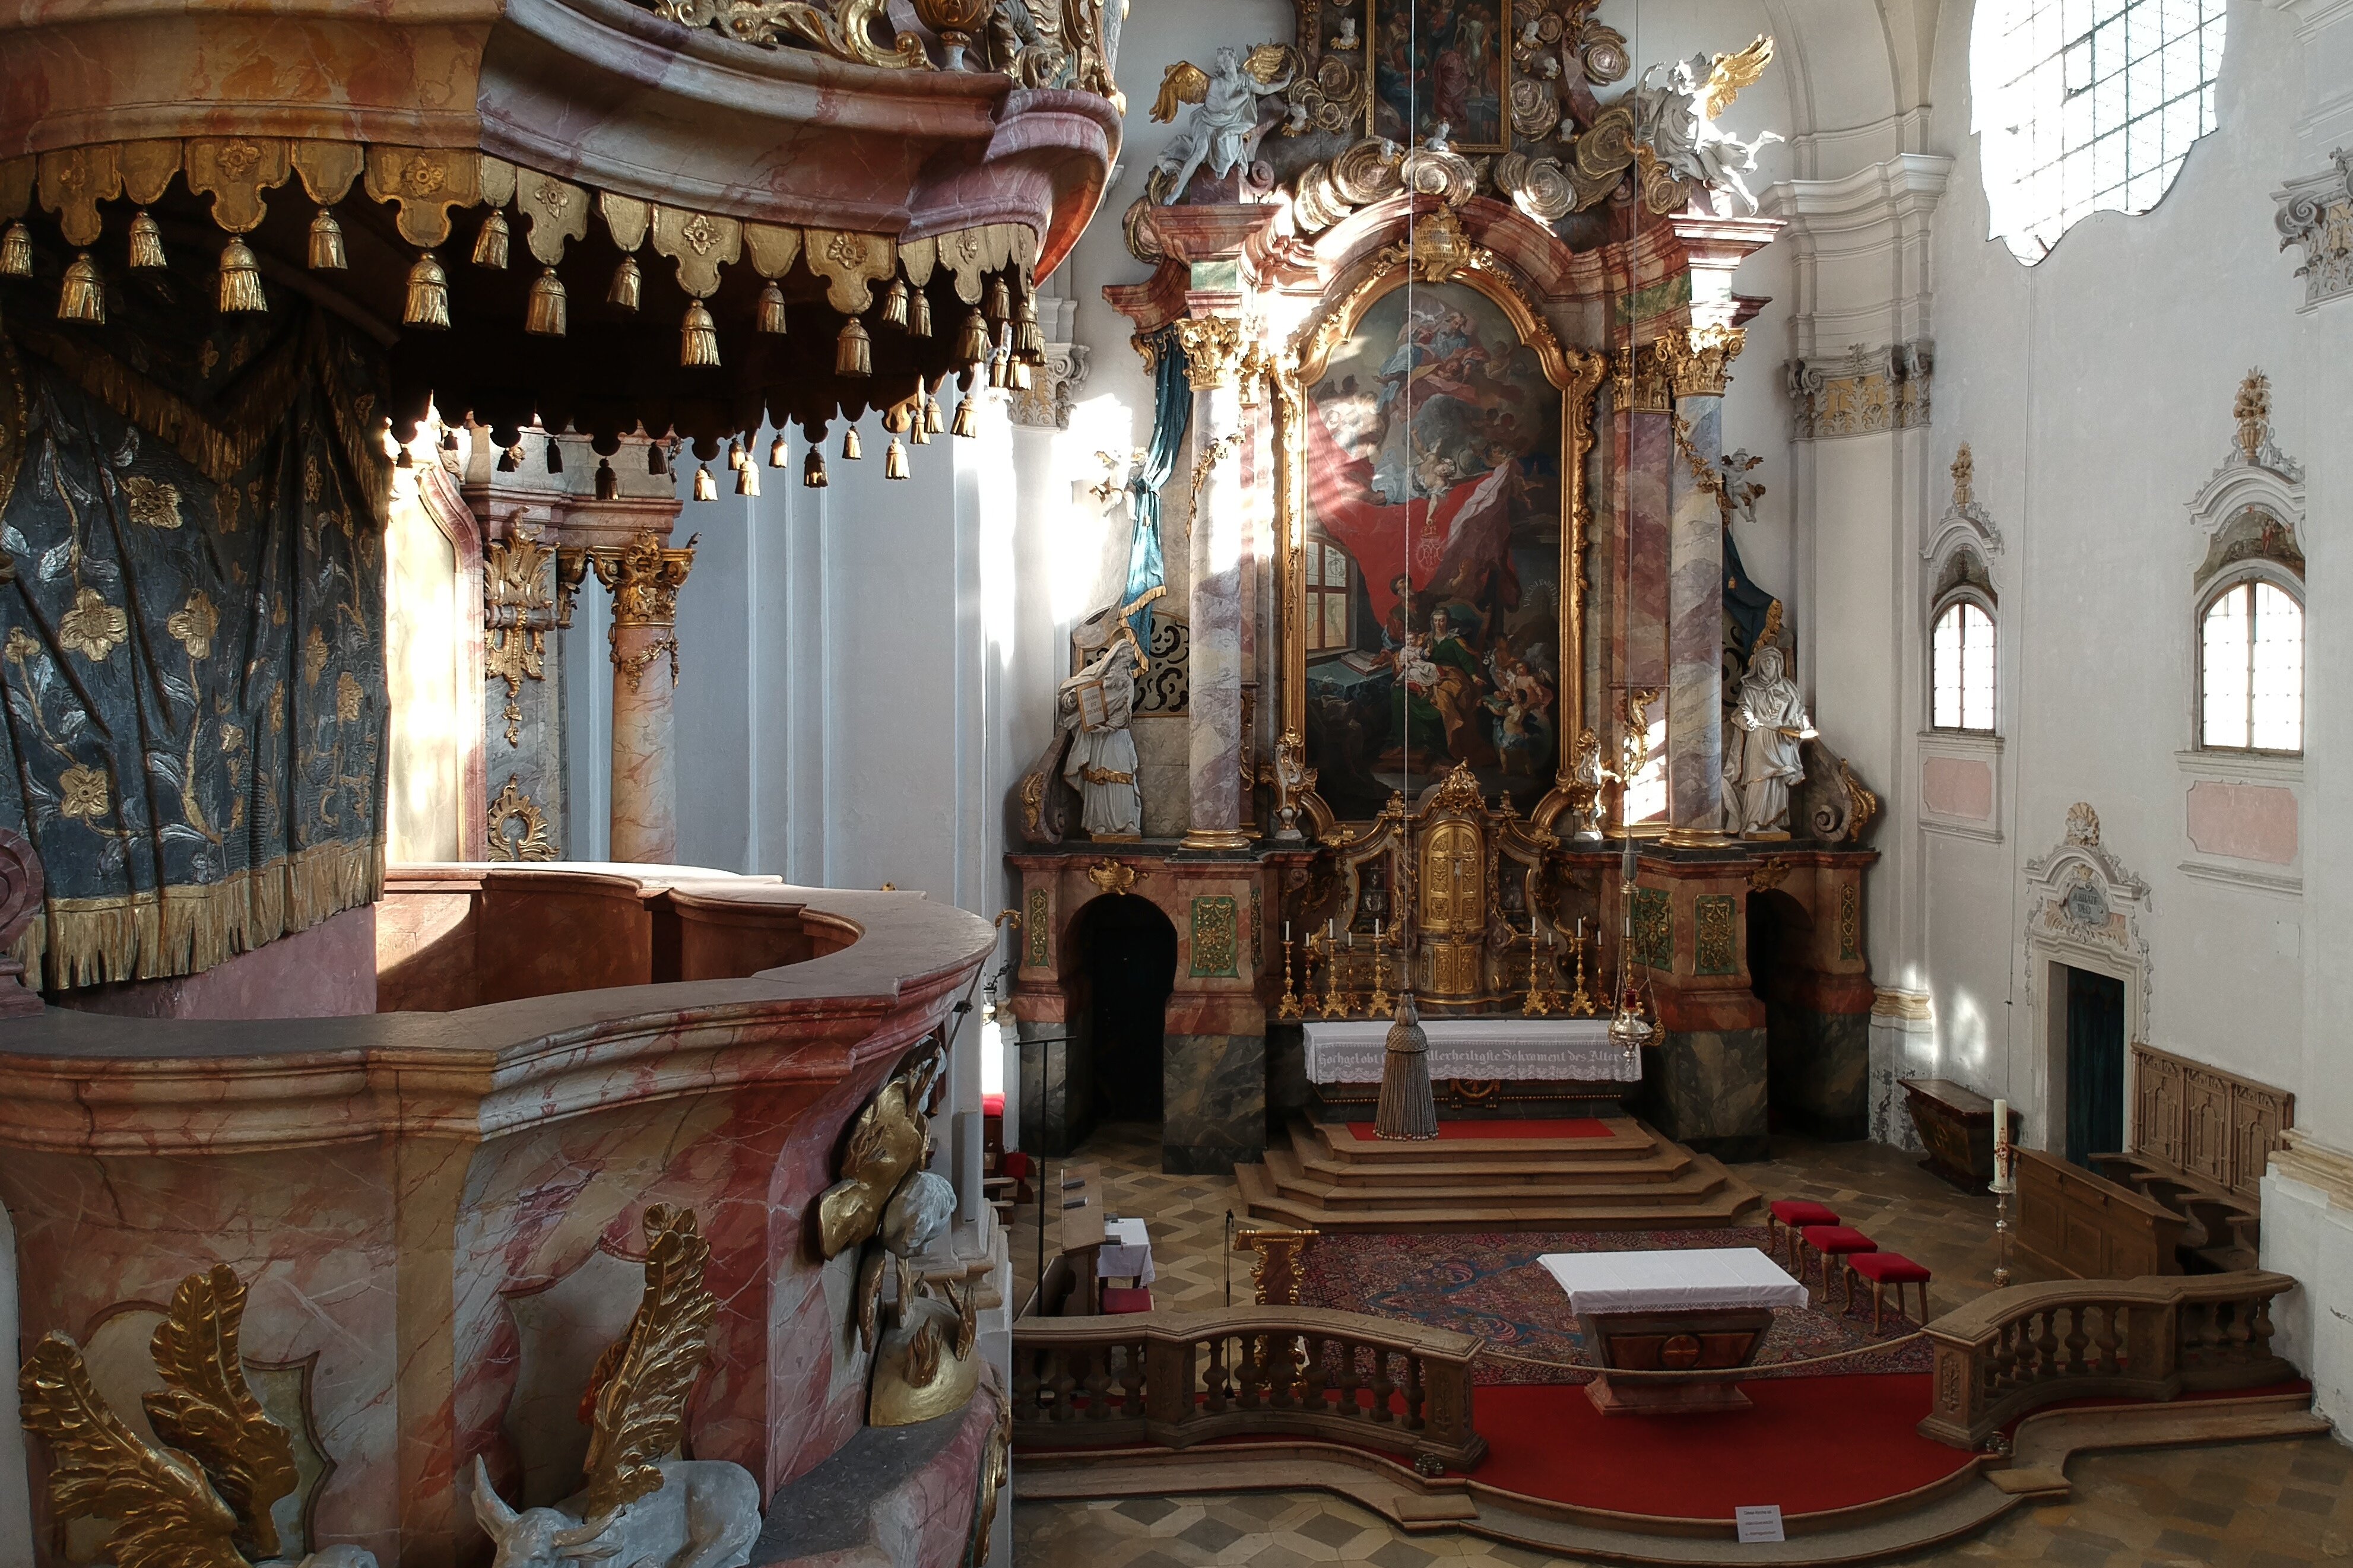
pixel 1227 124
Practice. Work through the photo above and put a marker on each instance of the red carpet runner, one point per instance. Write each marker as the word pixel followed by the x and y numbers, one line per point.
pixel 1571 1126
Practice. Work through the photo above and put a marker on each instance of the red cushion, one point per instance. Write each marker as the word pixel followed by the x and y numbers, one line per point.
pixel 1014 1164
pixel 1796 1211
pixel 1124 1299
pixel 1837 1238
pixel 1888 1267
pixel 992 1105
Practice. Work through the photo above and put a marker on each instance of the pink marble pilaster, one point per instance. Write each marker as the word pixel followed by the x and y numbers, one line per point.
pixel 1216 681
pixel 644 579
pixel 1695 627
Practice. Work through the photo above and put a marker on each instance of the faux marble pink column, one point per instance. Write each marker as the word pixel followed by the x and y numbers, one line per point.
pixel 1215 697
pixel 1695 625
pixel 644 580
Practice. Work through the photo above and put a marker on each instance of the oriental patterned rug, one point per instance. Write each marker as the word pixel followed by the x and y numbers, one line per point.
pixel 1488 1284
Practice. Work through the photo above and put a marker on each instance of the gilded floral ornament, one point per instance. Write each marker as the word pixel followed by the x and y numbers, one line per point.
pixel 532 840
pixel 842 28
pixel 193 624
pixel 84 793
pixel 152 502
pixel 20 648
pixel 349 696
pixel 93 628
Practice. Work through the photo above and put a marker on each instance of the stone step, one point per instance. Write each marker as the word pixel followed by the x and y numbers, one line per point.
pixel 1730 1204
pixel 1654 1162
pixel 1628 1136
pixel 1657 1187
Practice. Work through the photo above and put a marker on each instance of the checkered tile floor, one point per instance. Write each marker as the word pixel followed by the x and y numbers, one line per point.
pixel 2254 1505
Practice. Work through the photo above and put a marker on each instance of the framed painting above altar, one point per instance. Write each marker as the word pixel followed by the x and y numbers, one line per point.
pixel 1440 62
pixel 1431 609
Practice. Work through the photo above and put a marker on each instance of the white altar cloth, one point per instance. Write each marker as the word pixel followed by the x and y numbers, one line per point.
pixel 1579 1050
pixel 1126 1252
pixel 1699 1280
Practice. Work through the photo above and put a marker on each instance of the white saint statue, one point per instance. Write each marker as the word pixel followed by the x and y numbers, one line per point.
pixel 1771 718
pixel 1225 126
pixel 1095 705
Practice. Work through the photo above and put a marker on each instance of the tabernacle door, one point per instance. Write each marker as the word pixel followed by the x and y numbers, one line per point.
pixel 1454 909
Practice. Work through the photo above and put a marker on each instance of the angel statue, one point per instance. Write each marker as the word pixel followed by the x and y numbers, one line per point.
pixel 1226 125
pixel 640 1507
pixel 208 1499
pixel 1676 120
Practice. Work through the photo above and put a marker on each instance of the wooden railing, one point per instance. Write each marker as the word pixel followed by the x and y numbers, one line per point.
pixel 2150 1337
pixel 1179 1378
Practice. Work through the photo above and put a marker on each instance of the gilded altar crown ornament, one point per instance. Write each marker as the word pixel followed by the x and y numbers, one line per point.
pixel 1114 878
pixel 888 1204
pixel 203 1499
pixel 638 1506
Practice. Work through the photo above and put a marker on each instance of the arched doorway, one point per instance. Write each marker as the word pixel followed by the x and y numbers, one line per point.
pixel 1127 952
pixel 1817 1063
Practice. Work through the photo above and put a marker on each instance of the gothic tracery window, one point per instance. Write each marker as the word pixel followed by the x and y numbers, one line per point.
pixel 2250 669
pixel 2087 106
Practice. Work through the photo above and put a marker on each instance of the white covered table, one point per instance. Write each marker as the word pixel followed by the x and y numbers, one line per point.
pixel 1686 1312
pixel 1126 1253
pixel 1574 1050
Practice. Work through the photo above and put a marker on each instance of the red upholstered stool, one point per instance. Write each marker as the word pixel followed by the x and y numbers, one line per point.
pixel 1126 1299
pixel 1784 1217
pixel 1882 1270
pixel 1835 1240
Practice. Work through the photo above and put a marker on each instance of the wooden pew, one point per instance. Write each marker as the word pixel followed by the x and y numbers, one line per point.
pixel 2091 1228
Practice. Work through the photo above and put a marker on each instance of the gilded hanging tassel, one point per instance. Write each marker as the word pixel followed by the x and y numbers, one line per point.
pixel 546 314
pixel 972 340
pixel 777 453
pixel 327 243
pixel 771 315
pixel 1017 376
pixel 894 461
pixel 919 315
pixel 1031 336
pixel 608 483
pixel 491 245
pixel 735 452
pixel 1001 302
pixel 705 488
pixel 813 470
pixel 853 353
pixel 851 449
pixel 146 242
pixel 83 299
pixel 240 279
pixel 747 479
pixel 16 252
pixel 894 305
pixel 1000 365
pixel 623 294
pixel 931 414
pixel 915 431
pixel 429 294
pixel 698 337
pixel 967 418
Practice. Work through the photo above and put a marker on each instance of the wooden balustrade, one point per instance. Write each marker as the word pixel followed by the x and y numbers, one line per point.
pixel 2150 1337
pixel 1180 1378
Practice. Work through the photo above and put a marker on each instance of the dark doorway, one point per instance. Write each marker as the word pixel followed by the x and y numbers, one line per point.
pixel 2095 1065
pixel 1812 1083
pixel 1130 954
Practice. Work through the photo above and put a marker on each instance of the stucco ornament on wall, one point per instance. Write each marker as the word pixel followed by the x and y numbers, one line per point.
pixel 1868 390
pixel 2315 214
pixel 2084 905
pixel 1965 518
pixel 2256 482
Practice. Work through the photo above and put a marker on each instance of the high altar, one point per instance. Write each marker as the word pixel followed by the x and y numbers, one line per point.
pixel 1452 607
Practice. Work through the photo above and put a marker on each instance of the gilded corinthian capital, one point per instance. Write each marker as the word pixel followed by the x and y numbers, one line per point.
pixel 1699 361
pixel 644 579
pixel 1213 349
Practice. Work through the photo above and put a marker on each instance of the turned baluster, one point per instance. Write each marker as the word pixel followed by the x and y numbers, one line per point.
pixel 1286 1371
pixel 1025 1386
pixel 1312 1388
pixel 1131 1382
pixel 1065 1383
pixel 1350 1379
pixel 1214 1381
pixel 1249 1370
pixel 2076 1341
pixel 2002 1366
pixel 2107 1340
pixel 2260 1330
pixel 2046 1343
pixel 1413 1392
pixel 1098 1382
pixel 1383 1385
pixel 2242 1333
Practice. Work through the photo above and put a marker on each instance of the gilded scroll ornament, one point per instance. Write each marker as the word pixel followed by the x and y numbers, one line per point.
pixel 644 579
pixel 842 28
pixel 518 610
pixel 532 842
pixel 638 1505
pixel 1698 362
pixel 1213 349
pixel 1112 878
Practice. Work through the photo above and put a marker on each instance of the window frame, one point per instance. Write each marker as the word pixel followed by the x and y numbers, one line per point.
pixel 2245 574
pixel 1970 593
pixel 1318 591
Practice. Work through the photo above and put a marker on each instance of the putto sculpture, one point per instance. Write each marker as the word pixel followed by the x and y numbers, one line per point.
pixel 1227 124
pixel 638 1506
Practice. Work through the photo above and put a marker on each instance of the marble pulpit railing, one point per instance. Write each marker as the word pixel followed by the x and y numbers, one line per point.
pixel 437 1212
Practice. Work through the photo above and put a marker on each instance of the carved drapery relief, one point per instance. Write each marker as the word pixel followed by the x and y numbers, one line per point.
pixel 1869 391
pixel 2315 214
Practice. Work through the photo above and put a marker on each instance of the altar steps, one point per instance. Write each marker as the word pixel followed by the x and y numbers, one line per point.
pixel 1631 1180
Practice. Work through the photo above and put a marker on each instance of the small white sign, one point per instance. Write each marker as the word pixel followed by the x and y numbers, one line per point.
pixel 1759 1523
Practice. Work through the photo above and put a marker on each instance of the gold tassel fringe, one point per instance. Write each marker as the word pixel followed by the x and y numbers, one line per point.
pixel 853 353
pixel 429 294
pixel 894 461
pixel 852 450
pixel 698 338
pixel 83 298
pixel 627 282
pixel 771 316
pixel 972 339
pixel 919 315
pixel 705 487
pixel 1001 302
pixel 967 418
pixel 240 279
pixel 16 258
pixel 146 242
pixel 777 453
pixel 327 243
pixel 894 305
pixel 812 469
pixel 932 425
pixel 747 479
pixel 547 313
pixel 491 245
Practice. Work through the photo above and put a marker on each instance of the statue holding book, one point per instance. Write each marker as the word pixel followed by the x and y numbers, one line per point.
pixel 1094 705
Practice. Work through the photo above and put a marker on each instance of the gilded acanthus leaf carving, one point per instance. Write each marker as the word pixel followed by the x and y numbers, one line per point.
pixel 842 28
pixel 640 1409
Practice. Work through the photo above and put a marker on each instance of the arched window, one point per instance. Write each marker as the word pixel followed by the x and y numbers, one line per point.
pixel 1961 666
pixel 2087 106
pixel 2250 669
